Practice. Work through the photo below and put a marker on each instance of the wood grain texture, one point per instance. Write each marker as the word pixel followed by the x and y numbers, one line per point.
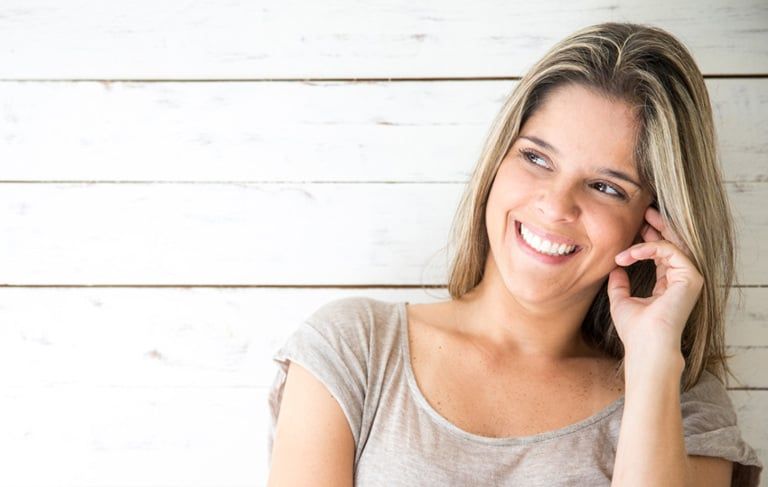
pixel 294 132
pixel 177 39
pixel 133 436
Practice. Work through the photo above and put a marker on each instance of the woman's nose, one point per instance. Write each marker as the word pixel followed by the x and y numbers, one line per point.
pixel 558 203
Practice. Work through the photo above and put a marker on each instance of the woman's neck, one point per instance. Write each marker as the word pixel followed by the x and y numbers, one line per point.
pixel 502 324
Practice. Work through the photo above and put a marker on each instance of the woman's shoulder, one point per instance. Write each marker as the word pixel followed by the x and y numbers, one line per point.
pixel 711 428
pixel 352 308
pixel 354 317
pixel 708 389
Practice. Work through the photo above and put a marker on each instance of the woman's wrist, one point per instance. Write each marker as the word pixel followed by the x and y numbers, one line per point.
pixel 653 363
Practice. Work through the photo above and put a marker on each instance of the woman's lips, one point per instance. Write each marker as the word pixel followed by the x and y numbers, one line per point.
pixel 545 258
pixel 555 239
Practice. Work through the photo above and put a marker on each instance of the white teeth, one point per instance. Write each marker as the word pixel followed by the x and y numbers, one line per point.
pixel 543 245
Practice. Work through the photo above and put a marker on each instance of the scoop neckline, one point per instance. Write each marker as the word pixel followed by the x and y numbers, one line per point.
pixel 489 440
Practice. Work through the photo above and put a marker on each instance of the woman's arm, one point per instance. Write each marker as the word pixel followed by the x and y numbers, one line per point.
pixel 313 442
pixel 651 449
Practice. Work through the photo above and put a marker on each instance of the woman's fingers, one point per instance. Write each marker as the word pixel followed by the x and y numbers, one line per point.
pixel 659 230
pixel 660 287
pixel 650 234
pixel 618 285
pixel 678 267
pixel 654 218
pixel 659 249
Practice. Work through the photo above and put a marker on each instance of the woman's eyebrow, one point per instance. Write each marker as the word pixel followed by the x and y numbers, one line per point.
pixel 617 174
pixel 600 170
pixel 540 142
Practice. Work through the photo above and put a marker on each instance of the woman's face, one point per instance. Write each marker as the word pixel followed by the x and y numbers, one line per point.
pixel 568 179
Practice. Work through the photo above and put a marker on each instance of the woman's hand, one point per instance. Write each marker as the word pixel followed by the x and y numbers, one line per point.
pixel 655 323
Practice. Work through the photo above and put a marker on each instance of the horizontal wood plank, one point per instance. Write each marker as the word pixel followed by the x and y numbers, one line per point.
pixel 138 437
pixel 271 131
pixel 342 38
pixel 266 234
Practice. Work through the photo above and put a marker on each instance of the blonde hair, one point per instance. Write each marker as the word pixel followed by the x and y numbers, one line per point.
pixel 677 161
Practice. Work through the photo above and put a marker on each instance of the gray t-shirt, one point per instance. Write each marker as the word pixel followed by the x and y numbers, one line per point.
pixel 358 348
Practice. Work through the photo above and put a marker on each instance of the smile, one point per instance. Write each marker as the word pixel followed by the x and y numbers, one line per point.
pixel 543 245
pixel 548 249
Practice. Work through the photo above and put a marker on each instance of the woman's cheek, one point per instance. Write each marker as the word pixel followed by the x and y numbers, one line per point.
pixel 618 230
pixel 521 182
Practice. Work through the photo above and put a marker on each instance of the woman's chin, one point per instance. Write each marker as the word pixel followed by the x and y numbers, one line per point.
pixel 535 293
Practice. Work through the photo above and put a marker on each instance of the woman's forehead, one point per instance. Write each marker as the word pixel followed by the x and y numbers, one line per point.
pixel 577 122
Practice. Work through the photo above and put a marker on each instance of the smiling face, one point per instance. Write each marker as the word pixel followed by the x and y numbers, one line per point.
pixel 567 179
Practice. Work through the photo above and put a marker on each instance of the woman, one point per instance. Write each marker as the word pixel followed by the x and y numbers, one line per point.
pixel 593 259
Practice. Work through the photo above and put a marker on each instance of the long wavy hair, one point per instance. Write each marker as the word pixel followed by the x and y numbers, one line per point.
pixel 677 161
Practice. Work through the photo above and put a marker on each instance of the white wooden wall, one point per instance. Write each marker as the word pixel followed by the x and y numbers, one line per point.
pixel 181 183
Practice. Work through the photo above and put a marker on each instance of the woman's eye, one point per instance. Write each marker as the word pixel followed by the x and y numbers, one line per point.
pixel 534 158
pixel 605 188
pixel 609 190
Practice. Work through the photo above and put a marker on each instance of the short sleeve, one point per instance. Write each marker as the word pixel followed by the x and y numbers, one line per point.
pixel 332 344
pixel 711 429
